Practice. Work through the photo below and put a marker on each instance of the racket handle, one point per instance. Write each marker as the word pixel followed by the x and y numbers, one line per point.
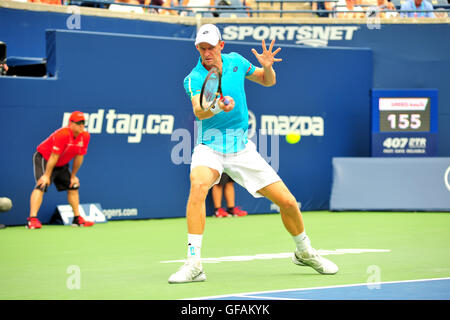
pixel 225 101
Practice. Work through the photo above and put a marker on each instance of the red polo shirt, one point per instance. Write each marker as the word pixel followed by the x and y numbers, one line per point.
pixel 63 142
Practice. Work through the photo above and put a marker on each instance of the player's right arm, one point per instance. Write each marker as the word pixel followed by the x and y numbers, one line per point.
pixel 198 110
pixel 193 86
pixel 202 114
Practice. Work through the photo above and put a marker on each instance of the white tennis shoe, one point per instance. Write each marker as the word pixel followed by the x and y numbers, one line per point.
pixel 311 258
pixel 189 272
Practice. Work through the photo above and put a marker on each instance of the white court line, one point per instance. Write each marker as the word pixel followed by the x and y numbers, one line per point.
pixel 282 255
pixel 314 288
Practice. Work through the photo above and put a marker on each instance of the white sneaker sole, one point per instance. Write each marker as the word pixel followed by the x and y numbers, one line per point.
pixel 297 262
pixel 199 278
pixel 318 269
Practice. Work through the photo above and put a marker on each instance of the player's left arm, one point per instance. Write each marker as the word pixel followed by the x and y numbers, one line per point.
pixel 77 162
pixel 265 75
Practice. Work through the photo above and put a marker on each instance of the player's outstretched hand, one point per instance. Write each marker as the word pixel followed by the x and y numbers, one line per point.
pixel 267 57
pixel 227 107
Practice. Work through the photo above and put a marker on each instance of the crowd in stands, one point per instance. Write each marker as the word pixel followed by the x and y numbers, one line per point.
pixel 336 8
pixel 378 8
pixel 361 8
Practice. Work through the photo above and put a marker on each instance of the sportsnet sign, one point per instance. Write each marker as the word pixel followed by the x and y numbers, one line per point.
pixel 310 35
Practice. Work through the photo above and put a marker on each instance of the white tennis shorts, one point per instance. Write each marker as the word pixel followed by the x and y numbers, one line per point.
pixel 247 167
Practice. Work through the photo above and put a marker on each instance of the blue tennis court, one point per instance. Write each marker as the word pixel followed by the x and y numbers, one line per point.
pixel 427 289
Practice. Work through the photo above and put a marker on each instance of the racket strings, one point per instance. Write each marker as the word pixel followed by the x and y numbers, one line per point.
pixel 210 92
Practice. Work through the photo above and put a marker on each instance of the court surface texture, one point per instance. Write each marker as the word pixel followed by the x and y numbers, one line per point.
pixel 381 255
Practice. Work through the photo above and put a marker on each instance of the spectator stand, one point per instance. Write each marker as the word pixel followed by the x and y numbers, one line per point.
pixel 441 7
pixel 435 3
pixel 234 8
pixel 287 8
pixel 249 9
pixel 92 4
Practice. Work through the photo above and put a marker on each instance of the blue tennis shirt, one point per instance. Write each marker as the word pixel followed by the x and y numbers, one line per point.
pixel 225 132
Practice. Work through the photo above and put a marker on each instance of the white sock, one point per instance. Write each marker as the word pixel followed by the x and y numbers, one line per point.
pixel 194 246
pixel 302 241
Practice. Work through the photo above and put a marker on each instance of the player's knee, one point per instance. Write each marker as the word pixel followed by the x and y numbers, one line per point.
pixel 288 203
pixel 199 188
pixel 72 191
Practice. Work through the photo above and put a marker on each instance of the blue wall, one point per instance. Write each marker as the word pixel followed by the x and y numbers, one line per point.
pixel 124 170
pixel 404 55
pixel 24 30
pixel 332 83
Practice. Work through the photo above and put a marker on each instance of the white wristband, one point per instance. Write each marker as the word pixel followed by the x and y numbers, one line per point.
pixel 215 108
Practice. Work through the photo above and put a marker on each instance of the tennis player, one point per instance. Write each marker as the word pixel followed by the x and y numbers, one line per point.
pixel 51 165
pixel 222 146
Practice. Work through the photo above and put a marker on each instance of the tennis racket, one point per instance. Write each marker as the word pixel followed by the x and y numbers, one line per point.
pixel 212 90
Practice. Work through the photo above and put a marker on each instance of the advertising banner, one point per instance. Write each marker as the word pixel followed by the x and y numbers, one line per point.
pixel 142 125
pixel 89 211
pixel 404 123
pixel 397 184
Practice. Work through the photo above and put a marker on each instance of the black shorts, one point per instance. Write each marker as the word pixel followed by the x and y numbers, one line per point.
pixel 60 175
pixel 224 179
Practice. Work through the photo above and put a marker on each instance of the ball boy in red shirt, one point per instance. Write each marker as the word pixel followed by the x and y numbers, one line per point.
pixel 51 165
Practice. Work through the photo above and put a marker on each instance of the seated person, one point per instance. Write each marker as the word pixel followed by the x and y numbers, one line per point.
pixel 384 5
pixel 345 12
pixel 160 3
pixel 382 9
pixel 197 3
pixel 416 5
pixel 122 8
pixel 322 6
pixel 58 2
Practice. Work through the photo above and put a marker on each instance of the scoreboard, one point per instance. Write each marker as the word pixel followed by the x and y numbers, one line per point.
pixel 404 122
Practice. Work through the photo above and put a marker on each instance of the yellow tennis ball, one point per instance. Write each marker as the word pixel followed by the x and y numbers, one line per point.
pixel 293 137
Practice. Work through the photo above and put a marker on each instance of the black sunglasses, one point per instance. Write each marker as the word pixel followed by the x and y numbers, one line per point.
pixel 79 122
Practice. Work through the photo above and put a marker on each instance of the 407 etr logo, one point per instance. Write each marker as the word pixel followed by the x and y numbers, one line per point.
pixel 405 145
